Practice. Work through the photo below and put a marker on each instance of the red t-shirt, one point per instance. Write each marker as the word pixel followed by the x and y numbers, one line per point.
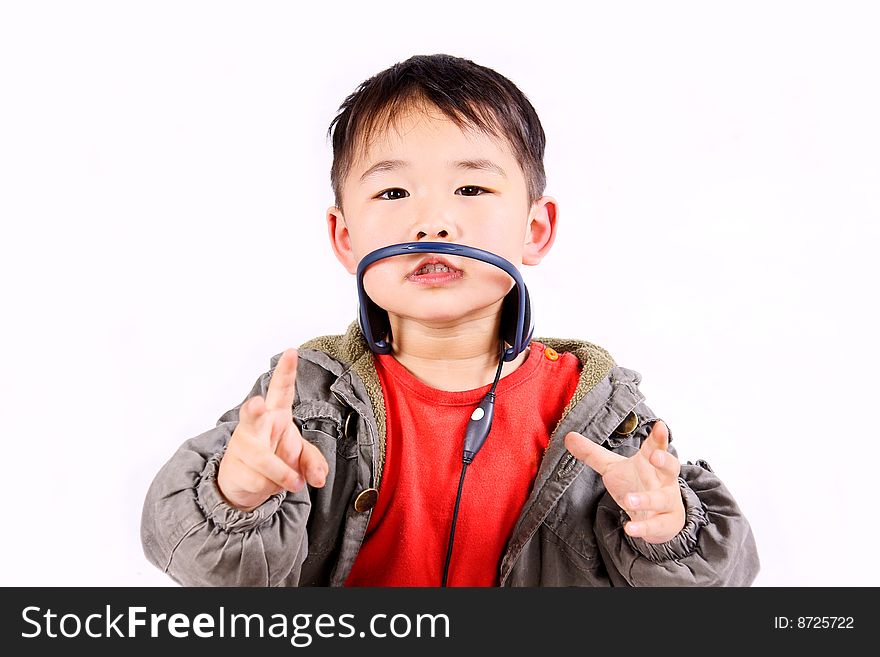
pixel 406 539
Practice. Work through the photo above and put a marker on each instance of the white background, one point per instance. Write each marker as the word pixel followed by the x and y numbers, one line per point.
pixel 164 178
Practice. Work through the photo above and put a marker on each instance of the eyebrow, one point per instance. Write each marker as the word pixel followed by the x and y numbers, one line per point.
pixel 480 164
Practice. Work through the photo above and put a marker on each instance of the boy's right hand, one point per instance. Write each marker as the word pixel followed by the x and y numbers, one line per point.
pixel 267 453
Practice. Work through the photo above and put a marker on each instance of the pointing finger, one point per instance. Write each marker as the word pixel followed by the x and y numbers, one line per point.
pixel 282 385
pixel 595 456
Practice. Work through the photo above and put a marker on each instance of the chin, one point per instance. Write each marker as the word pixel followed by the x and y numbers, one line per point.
pixel 440 308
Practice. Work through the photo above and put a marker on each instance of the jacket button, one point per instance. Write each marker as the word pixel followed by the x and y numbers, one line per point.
pixel 629 424
pixel 366 500
pixel 551 354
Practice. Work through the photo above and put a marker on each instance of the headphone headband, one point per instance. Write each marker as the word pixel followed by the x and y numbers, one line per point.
pixel 517 324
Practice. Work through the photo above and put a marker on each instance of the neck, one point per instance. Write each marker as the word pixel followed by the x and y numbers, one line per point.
pixel 452 356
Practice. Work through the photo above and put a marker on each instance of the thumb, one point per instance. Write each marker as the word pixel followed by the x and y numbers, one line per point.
pixel 595 456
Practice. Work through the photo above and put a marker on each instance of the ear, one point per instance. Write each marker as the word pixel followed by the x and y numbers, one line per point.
pixel 340 239
pixel 541 231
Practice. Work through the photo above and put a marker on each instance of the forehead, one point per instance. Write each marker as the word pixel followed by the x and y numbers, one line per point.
pixel 415 128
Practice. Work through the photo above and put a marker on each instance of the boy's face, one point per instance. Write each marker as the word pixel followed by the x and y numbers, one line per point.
pixel 430 198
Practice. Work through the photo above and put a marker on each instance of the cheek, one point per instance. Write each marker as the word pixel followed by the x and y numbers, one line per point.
pixel 501 233
pixel 363 243
pixel 381 278
pixel 489 276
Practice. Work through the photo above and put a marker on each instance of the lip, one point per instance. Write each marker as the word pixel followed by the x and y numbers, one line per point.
pixel 437 277
pixel 440 260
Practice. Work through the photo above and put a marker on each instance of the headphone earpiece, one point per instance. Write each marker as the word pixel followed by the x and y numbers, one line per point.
pixel 379 325
pixel 510 319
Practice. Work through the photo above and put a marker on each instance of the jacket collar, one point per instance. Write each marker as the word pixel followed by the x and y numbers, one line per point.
pixel 349 353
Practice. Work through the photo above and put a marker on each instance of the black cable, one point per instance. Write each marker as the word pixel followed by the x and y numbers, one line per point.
pixel 454 519
pixel 466 460
pixel 498 371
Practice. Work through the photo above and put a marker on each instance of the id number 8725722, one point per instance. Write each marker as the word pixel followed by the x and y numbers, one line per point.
pixel 813 622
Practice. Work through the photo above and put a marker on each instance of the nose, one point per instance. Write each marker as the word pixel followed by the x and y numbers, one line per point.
pixel 440 233
pixel 435 218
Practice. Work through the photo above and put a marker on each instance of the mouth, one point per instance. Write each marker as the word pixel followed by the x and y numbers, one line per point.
pixel 434 270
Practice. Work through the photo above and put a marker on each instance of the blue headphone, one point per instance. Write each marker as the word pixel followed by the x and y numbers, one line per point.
pixel 517 324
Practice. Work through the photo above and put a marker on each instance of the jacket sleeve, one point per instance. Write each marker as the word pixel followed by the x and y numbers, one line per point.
pixel 191 533
pixel 715 547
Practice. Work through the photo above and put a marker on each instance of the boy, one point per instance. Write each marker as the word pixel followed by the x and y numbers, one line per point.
pixel 343 465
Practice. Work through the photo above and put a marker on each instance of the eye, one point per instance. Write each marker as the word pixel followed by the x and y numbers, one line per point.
pixel 480 191
pixel 392 190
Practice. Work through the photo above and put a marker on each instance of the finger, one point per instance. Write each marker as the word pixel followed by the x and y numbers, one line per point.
pixel 269 428
pixel 657 439
pixel 654 530
pixel 259 421
pixel 247 479
pixel 249 413
pixel 290 446
pixel 667 464
pixel 313 464
pixel 277 430
pixel 282 384
pixel 595 456
pixel 269 465
pixel 660 500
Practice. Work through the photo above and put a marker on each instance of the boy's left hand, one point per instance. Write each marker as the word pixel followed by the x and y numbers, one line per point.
pixel 644 484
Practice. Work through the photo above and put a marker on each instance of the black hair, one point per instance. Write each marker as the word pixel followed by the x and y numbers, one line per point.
pixel 469 94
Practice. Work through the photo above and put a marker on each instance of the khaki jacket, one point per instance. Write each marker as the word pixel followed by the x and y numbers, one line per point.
pixel 569 532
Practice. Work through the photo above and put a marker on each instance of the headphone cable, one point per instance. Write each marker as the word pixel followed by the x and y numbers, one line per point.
pixel 477 431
